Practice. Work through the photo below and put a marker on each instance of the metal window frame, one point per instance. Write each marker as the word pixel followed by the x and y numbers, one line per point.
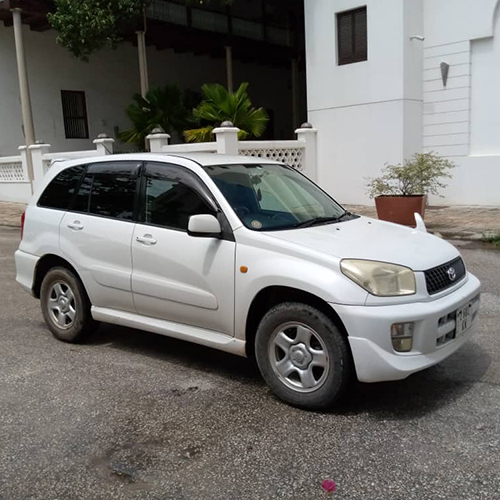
pixel 356 57
pixel 68 129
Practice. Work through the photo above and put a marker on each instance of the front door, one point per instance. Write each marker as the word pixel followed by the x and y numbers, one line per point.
pixel 175 276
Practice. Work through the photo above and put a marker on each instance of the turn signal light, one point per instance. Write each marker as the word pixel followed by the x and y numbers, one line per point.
pixel 402 337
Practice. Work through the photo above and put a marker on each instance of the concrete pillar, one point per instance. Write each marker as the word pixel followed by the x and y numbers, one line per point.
pixel 143 63
pixel 227 139
pixel 29 129
pixel 157 140
pixel 104 144
pixel 229 68
pixel 308 135
pixel 295 93
pixel 24 161
pixel 37 152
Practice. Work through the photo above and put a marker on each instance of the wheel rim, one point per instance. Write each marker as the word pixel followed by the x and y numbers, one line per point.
pixel 61 305
pixel 299 357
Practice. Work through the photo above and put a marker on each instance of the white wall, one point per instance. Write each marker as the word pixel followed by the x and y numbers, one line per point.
pixel 109 81
pixel 395 104
pixel 485 81
pixel 365 112
pixel 461 120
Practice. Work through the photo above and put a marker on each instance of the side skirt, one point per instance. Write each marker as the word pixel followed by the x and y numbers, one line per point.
pixel 180 331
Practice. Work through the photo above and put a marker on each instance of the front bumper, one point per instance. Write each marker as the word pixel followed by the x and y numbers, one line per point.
pixel 369 334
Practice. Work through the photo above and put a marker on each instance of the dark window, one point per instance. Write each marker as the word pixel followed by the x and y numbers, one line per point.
pixel 108 190
pixel 81 203
pixel 75 114
pixel 352 40
pixel 60 191
pixel 172 196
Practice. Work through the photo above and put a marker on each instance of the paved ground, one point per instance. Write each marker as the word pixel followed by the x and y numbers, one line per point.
pixel 138 416
pixel 470 223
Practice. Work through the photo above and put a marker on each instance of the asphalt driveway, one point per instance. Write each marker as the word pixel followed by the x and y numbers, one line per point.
pixel 138 416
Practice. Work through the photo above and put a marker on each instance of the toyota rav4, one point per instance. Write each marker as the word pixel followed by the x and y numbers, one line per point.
pixel 248 256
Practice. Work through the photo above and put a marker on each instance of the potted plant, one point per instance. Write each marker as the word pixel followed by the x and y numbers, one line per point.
pixel 401 190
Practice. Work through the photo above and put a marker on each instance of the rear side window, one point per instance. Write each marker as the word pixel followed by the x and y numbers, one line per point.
pixel 59 193
pixel 108 190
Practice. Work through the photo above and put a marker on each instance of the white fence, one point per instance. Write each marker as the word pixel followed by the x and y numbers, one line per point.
pixel 15 184
pixel 299 153
pixel 14 179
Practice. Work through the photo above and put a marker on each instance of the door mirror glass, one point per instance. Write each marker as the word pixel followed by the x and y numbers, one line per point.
pixel 204 225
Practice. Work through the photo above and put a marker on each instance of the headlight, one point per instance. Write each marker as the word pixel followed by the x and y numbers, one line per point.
pixel 380 278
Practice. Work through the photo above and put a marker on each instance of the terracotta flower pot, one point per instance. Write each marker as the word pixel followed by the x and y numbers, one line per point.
pixel 400 209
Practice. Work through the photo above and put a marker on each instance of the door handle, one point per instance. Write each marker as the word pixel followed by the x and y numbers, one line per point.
pixel 147 239
pixel 76 225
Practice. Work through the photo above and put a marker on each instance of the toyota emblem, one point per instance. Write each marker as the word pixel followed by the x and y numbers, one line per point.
pixel 452 274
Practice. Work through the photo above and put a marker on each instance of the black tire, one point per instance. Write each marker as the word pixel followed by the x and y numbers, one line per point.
pixel 69 320
pixel 332 380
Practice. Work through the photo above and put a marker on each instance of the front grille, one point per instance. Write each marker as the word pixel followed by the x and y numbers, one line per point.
pixel 442 277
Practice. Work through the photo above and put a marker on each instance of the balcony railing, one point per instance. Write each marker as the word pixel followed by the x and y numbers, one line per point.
pixel 218 22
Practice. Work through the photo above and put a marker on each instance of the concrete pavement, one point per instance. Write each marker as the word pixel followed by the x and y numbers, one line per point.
pixel 133 415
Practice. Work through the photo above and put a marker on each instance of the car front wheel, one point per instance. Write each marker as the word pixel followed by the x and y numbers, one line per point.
pixel 303 356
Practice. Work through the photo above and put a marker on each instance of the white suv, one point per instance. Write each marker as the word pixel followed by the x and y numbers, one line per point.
pixel 247 256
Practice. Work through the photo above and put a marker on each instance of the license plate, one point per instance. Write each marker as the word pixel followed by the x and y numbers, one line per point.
pixel 463 319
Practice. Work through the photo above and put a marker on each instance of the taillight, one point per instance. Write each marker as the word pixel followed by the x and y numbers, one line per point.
pixel 23 217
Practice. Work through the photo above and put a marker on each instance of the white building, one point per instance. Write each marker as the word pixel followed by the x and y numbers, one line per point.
pixel 378 96
pixel 186 46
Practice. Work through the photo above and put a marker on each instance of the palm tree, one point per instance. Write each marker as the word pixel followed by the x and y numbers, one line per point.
pixel 163 107
pixel 219 105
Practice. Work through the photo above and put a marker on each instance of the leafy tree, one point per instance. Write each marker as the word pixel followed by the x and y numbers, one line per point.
pixel 163 107
pixel 86 26
pixel 219 105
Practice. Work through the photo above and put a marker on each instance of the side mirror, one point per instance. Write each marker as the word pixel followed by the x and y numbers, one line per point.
pixel 204 226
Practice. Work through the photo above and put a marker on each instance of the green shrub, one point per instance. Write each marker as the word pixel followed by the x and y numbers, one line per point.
pixel 419 175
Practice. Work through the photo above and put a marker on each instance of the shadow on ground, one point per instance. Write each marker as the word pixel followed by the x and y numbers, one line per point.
pixel 414 397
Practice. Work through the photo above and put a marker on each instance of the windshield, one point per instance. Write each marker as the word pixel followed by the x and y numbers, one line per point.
pixel 272 197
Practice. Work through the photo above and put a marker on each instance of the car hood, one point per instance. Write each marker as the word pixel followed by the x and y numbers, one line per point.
pixel 370 239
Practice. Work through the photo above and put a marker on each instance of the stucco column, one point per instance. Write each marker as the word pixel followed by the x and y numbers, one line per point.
pixel 104 144
pixel 29 129
pixel 308 135
pixel 143 63
pixel 157 139
pixel 295 93
pixel 226 137
pixel 37 152
pixel 229 67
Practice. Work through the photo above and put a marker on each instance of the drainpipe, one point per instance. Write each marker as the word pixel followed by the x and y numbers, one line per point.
pixel 29 129
pixel 229 67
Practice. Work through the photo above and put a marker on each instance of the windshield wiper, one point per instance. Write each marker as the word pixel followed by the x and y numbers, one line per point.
pixel 316 221
pixel 323 220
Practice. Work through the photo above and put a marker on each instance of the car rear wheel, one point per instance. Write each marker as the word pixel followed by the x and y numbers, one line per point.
pixel 65 306
pixel 303 356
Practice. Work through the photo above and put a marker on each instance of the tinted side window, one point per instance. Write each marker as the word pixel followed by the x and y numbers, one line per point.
pixel 108 190
pixel 81 202
pixel 60 191
pixel 172 197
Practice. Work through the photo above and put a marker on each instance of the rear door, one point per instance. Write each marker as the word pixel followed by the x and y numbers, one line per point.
pixel 178 277
pixel 96 233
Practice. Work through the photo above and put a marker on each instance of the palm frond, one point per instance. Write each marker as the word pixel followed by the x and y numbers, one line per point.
pixel 219 105
pixel 203 134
